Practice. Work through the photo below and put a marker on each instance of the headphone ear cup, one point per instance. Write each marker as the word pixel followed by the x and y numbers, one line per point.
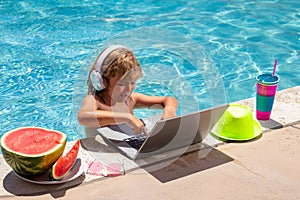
pixel 97 80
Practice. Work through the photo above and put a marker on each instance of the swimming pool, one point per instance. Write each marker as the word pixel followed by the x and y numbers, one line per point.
pixel 205 53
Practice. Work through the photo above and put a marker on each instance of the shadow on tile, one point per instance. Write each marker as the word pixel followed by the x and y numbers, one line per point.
pixel 270 124
pixel 189 164
pixel 16 186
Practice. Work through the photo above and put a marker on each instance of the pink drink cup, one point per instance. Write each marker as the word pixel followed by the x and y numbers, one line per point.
pixel 266 86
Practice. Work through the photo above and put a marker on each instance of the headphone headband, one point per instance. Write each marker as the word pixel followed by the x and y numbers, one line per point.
pixel 96 75
pixel 102 57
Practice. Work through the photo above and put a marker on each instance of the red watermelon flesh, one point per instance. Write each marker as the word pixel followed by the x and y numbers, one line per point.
pixel 33 141
pixel 32 150
pixel 65 163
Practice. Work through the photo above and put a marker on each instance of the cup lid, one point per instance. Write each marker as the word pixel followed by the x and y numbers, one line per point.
pixel 267 79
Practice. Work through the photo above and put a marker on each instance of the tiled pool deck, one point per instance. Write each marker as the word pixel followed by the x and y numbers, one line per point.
pixel 266 168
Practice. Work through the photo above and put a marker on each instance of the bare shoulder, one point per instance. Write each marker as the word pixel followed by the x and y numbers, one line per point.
pixel 92 102
pixel 88 99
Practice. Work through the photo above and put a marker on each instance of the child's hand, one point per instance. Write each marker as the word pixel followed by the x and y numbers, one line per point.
pixel 136 124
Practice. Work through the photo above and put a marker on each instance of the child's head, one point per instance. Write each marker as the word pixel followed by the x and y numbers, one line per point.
pixel 114 62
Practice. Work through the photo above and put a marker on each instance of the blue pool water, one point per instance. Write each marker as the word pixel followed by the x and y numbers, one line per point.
pixel 205 53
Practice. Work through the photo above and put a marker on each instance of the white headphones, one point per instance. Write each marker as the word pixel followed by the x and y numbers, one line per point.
pixel 96 74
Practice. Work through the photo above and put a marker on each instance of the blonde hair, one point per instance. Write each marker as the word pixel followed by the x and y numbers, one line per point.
pixel 119 63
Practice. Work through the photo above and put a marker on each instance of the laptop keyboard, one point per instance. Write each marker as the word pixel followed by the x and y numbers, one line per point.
pixel 136 141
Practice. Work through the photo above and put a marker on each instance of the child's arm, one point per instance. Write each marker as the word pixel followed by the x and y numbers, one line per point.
pixel 90 116
pixel 168 104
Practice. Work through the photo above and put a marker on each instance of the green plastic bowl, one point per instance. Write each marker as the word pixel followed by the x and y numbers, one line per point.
pixel 237 123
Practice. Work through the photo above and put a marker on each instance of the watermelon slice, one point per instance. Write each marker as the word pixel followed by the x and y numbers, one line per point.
pixel 32 150
pixel 65 163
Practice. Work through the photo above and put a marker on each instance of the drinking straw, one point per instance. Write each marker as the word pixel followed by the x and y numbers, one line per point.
pixel 274 69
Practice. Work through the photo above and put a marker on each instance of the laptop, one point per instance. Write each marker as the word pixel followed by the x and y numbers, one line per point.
pixel 164 135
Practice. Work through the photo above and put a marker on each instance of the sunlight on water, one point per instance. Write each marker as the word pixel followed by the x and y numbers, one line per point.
pixel 205 53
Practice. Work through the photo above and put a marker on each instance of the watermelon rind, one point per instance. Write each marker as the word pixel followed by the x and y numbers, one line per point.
pixel 25 164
